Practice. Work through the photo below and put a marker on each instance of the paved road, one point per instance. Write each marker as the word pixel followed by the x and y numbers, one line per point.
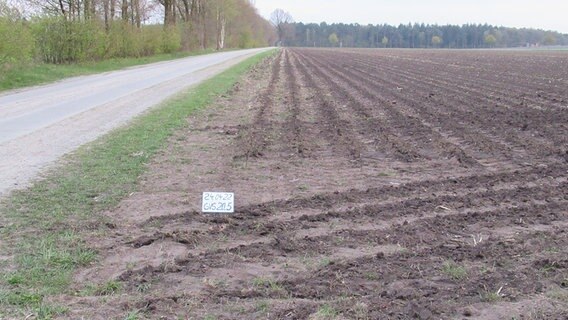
pixel 38 125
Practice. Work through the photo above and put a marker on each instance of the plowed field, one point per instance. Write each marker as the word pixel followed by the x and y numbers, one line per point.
pixel 370 184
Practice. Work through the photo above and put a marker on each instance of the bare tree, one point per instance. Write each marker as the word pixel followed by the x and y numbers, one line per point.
pixel 224 10
pixel 185 8
pixel 169 12
pixel 281 19
pixel 70 9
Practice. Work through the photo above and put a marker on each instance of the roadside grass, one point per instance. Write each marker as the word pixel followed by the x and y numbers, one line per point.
pixel 19 76
pixel 43 229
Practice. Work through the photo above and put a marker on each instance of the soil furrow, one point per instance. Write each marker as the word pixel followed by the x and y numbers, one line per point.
pixel 472 136
pixel 385 134
pixel 521 117
pixel 255 140
pixel 338 133
pixel 381 184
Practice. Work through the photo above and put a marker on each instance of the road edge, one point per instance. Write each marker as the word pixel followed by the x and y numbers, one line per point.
pixel 42 227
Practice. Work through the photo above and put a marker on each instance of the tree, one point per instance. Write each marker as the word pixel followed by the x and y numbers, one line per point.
pixel 16 40
pixel 436 41
pixel 419 35
pixel 490 40
pixel 549 39
pixel 281 21
pixel 223 11
pixel 333 39
pixel 169 12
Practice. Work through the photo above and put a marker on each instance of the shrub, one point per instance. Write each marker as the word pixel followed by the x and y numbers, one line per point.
pixel 16 39
pixel 62 41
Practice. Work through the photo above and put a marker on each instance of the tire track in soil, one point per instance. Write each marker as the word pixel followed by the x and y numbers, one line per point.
pixel 267 251
pixel 424 195
pixel 387 249
pixel 403 277
pixel 416 211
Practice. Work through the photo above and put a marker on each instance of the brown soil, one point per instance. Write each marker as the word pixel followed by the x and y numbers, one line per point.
pixel 392 184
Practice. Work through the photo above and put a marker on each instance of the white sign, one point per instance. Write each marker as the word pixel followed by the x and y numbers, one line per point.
pixel 218 202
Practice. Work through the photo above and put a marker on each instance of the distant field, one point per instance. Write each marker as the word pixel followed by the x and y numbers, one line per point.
pixel 543 48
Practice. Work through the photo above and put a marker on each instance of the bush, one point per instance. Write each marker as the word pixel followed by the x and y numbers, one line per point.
pixel 16 39
pixel 122 40
pixel 189 37
pixel 62 41
pixel 151 40
pixel 245 40
pixel 171 40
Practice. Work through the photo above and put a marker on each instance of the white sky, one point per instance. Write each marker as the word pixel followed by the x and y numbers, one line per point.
pixel 541 14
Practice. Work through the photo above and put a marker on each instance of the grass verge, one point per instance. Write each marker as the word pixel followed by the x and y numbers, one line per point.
pixel 42 228
pixel 13 77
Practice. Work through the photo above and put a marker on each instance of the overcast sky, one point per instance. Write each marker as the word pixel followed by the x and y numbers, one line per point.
pixel 542 14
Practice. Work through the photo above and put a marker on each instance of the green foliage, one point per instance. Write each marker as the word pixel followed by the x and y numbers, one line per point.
pixel 326 311
pixel 454 271
pixel 490 40
pixel 171 40
pixel 549 39
pixel 491 297
pixel 108 288
pixel 333 39
pixel 123 40
pixel 16 40
pixel 62 41
pixel 436 41
pixel 65 39
pixel 245 40
pixel 419 35
pixel 134 315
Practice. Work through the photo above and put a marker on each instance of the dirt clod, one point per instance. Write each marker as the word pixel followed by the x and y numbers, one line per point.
pixel 356 199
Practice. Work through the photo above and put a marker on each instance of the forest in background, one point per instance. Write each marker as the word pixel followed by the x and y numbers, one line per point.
pixel 70 31
pixel 416 36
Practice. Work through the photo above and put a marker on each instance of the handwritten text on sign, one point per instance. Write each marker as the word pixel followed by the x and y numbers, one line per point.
pixel 218 202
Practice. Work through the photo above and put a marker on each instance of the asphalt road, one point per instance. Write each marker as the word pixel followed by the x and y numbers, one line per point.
pixel 38 125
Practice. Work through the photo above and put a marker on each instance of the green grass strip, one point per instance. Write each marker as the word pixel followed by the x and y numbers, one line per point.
pixel 43 227
pixel 19 76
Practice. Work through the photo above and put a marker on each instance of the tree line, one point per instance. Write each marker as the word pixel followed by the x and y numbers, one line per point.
pixel 68 31
pixel 416 36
